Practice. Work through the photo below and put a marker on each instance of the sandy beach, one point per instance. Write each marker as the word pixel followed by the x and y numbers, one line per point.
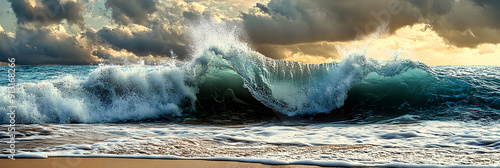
pixel 249 83
pixel 76 162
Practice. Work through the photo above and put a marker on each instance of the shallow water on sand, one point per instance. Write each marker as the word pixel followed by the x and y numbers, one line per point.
pixel 418 143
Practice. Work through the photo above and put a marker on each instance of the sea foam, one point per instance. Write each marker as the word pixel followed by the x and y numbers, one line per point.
pixel 112 93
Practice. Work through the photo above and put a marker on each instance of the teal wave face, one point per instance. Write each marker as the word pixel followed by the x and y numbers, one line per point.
pixel 226 76
pixel 384 90
pixel 291 88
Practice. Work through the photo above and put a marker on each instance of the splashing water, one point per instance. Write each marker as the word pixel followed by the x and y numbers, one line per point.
pixel 356 83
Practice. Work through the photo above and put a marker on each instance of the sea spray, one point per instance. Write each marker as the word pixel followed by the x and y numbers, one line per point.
pixel 354 84
pixel 292 88
pixel 108 94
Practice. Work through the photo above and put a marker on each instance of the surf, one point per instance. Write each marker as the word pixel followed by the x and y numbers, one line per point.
pixel 225 73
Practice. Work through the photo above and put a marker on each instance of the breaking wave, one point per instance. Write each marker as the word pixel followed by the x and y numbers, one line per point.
pixel 225 72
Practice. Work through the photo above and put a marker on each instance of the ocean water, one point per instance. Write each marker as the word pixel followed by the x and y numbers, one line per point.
pixel 229 102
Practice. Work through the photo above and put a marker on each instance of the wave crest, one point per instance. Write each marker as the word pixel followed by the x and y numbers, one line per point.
pixel 223 64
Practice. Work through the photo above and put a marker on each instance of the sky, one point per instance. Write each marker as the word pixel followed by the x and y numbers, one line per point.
pixel 79 32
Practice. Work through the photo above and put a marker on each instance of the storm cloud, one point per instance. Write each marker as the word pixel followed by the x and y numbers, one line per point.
pixel 295 21
pixel 469 23
pixel 281 29
pixel 48 11
pixel 39 37
pixel 135 11
pixel 144 41
pixel 48 45
pixel 285 22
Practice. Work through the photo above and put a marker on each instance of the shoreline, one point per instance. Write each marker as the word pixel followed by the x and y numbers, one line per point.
pixel 109 162
pixel 426 144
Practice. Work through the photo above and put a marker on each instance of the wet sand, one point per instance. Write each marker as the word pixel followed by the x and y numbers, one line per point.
pixel 76 162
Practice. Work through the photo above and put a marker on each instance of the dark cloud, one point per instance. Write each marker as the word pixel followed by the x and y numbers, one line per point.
pixel 38 46
pixel 489 6
pixel 311 49
pixel 48 12
pixel 263 8
pixel 39 37
pixel 295 21
pixel 156 41
pixel 151 28
pixel 290 22
pixel 135 11
pixel 38 40
pixel 469 23
pixel 5 46
pixel 433 7
pixel 191 16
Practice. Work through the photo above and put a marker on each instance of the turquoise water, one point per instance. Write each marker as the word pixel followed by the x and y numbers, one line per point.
pixel 94 94
pixel 354 112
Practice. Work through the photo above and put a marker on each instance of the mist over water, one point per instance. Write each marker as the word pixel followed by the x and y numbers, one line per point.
pixel 226 74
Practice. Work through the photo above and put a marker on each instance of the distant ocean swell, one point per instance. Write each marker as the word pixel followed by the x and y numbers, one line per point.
pixel 224 68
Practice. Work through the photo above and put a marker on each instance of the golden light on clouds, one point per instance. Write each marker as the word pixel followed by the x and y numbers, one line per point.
pixel 310 59
pixel 311 53
pixel 436 33
pixel 417 42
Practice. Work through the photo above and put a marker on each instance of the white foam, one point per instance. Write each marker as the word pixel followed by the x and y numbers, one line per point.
pixel 324 163
pixel 276 83
pixel 108 94
pixel 425 144
pixel 132 93
pixel 28 155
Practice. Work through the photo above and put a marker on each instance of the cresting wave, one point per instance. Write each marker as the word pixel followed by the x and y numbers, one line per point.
pixel 224 69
